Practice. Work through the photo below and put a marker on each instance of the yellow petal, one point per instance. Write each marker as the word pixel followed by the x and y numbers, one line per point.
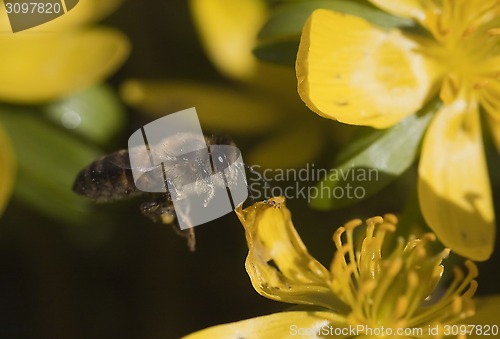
pixel 454 188
pixel 278 263
pixel 487 315
pixel 41 67
pixel 298 324
pixel 84 12
pixel 7 170
pixel 228 30
pixel 355 73
pixel 404 8
pixel 220 109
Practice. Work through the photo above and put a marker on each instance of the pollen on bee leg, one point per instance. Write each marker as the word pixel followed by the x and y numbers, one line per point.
pixel 167 218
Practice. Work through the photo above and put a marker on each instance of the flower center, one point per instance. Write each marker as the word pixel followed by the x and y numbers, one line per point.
pixel 390 291
pixel 467 33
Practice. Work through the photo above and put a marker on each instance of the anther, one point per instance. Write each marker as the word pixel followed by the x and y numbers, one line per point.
pixel 473 271
pixel 352 224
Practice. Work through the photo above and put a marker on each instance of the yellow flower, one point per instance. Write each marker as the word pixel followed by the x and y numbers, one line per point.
pixel 52 60
pixel 228 30
pixel 59 57
pixel 367 289
pixel 356 73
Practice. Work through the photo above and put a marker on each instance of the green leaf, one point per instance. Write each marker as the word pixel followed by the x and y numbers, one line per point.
pixel 373 161
pixel 48 161
pixel 95 113
pixel 278 52
pixel 281 34
pixel 288 19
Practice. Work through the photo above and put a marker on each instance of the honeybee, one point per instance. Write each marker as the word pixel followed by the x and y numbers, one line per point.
pixel 111 177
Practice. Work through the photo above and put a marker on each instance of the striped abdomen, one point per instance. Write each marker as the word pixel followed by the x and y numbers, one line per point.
pixel 107 178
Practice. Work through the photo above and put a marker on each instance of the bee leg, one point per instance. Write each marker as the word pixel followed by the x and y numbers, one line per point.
pixel 165 214
pixel 189 234
pixel 151 209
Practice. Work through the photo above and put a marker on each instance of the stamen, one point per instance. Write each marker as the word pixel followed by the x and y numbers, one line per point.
pixel 337 237
pixel 411 291
pixel 451 306
pixel 374 220
pixel 353 224
pixel 365 301
pixel 420 251
pixel 473 271
pixel 456 305
pixel 472 290
pixel 384 284
pixel 367 287
pixel 391 218
pixel 401 306
pixel 395 267
pixel 390 290
pixel 412 279
pixel 469 308
pixel 428 237
pixel 349 227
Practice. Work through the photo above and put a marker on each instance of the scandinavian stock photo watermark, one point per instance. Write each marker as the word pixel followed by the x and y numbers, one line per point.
pixel 302 183
pixel 26 14
pixel 415 332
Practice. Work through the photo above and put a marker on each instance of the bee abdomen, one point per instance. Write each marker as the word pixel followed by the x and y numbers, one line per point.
pixel 107 178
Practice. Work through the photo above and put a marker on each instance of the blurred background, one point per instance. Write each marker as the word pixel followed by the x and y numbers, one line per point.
pixel 70 268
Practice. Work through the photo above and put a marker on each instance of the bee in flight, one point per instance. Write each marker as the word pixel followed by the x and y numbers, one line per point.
pixel 111 177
